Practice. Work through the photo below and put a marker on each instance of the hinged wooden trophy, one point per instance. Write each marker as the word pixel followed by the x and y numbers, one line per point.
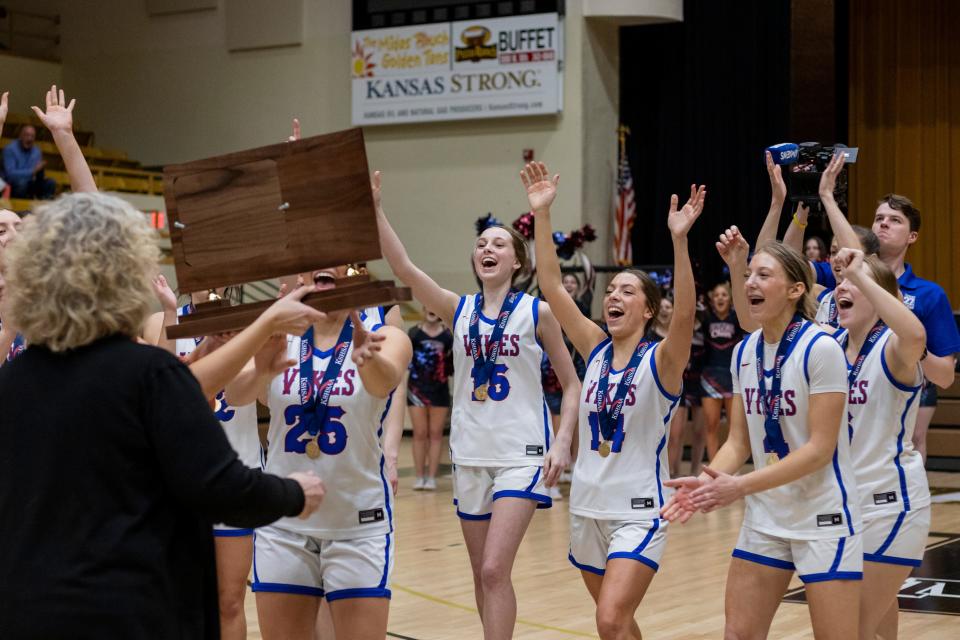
pixel 279 210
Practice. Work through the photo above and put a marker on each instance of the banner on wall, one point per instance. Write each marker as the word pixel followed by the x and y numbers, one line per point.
pixel 458 70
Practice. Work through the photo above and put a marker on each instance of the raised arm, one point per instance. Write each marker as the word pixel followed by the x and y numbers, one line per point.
pixel 59 120
pixel 793 236
pixel 674 352
pixel 382 356
pixel 842 231
pixel 778 194
pixel 425 289
pixel 905 347
pixel 393 423
pixel 734 250
pixel 541 191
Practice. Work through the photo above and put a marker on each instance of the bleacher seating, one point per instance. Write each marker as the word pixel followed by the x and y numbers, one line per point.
pixel 112 169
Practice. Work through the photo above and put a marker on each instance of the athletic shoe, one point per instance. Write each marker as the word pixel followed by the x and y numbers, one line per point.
pixel 430 484
pixel 554 492
pixel 419 484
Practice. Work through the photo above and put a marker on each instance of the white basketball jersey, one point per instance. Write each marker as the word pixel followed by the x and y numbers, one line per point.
pixel 239 423
pixel 824 504
pixel 358 502
pixel 883 412
pixel 627 484
pixel 511 427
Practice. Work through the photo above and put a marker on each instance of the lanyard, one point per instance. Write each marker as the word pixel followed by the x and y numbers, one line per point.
pixel 872 338
pixel 608 417
pixel 774 441
pixel 483 365
pixel 317 405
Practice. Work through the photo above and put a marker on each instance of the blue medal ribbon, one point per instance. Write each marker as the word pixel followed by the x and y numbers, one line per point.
pixel 774 442
pixel 483 364
pixel 872 338
pixel 315 406
pixel 607 418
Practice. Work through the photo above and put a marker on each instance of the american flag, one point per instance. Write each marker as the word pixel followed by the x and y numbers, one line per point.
pixel 625 207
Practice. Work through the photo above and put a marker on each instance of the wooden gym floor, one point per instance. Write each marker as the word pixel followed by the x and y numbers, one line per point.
pixel 433 589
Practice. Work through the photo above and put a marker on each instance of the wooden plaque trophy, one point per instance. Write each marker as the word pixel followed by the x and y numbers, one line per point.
pixel 273 211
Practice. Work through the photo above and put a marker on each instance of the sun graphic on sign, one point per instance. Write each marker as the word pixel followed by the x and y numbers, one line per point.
pixel 362 67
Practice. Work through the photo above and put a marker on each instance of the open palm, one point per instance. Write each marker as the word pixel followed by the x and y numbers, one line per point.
pixel 59 115
pixel 541 188
pixel 680 220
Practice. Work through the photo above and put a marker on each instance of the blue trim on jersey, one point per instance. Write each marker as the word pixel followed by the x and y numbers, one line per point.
pixel 232 533
pixel 584 567
pixel 889 374
pixel 597 349
pixel 843 489
pixel 905 562
pixel 536 477
pixel 806 355
pixel 375 327
pixel 485 318
pixel 634 556
pixel 839 556
pixel 896 458
pixel 893 533
pixel 470 516
pixel 456 314
pixel 776 563
pixel 824 294
pixel 279 587
pixel 836 575
pixel 545 502
pixel 536 314
pixel 383 461
pixel 743 344
pixel 656 377
pixel 768 373
pixel 386 564
pixel 546 426
pixel 343 594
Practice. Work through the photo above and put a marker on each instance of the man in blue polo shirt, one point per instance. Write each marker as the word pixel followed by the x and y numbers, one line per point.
pixel 897 224
pixel 23 166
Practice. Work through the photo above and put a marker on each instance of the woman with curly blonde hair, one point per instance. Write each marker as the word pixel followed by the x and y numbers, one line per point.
pixel 94 427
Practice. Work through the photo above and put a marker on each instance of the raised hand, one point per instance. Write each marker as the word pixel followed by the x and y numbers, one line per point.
pixel 366 345
pixel 828 180
pixel 3 107
pixel 719 492
pixel 271 360
pixel 165 295
pixel 59 115
pixel 375 190
pixel 680 221
pixel 541 188
pixel 313 491
pixel 733 247
pixel 290 316
pixel 296 131
pixel 778 188
pixel 850 262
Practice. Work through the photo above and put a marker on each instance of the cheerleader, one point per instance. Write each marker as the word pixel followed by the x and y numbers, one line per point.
pixel 500 428
pixel 428 396
pixel 631 390
pixel 721 333
pixel 326 415
pixel 803 508
pixel 884 342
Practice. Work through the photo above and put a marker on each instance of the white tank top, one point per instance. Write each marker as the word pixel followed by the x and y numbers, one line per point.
pixel 824 504
pixel 239 423
pixel 883 412
pixel 625 485
pixel 358 502
pixel 826 310
pixel 511 427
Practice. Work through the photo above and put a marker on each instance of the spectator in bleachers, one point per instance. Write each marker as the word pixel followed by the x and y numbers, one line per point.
pixel 23 166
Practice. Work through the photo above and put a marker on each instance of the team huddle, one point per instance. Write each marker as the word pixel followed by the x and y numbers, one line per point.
pixel 826 394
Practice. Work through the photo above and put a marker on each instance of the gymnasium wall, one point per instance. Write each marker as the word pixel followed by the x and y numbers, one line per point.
pixel 166 89
pixel 27 80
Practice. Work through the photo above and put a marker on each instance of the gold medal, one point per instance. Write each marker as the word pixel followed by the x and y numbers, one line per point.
pixel 481 392
pixel 604 449
pixel 772 458
pixel 313 449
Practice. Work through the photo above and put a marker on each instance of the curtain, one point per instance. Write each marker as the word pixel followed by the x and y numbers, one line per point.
pixel 904 114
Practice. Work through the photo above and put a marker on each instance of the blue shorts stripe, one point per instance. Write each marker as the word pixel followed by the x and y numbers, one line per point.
pixel 343 594
pixel 232 533
pixel 837 558
pixel 296 589
pixel 627 555
pixel 906 562
pixel 759 559
pixel 471 516
pixel 386 564
pixel 647 538
pixel 533 483
pixel 545 501
pixel 892 535
pixel 584 567
pixel 833 575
